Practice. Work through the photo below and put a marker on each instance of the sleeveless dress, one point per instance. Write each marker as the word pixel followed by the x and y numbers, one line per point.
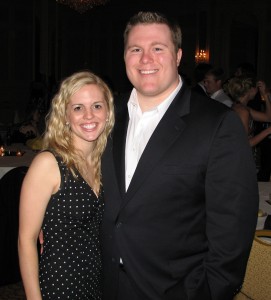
pixel 70 265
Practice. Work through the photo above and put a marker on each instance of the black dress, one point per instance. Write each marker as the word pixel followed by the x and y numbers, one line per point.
pixel 70 266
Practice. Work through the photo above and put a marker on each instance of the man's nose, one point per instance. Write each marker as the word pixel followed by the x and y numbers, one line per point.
pixel 146 57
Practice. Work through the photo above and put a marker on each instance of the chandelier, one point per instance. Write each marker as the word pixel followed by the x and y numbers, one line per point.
pixel 82 5
pixel 201 56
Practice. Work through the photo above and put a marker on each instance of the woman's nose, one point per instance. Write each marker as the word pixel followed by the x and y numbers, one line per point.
pixel 88 114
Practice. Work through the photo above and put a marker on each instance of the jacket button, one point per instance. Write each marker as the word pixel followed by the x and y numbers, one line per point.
pixel 119 224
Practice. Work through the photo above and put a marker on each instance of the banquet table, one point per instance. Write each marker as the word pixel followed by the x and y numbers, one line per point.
pixel 9 162
pixel 264 194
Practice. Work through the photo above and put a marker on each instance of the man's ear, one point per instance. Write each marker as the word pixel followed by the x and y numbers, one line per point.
pixel 179 56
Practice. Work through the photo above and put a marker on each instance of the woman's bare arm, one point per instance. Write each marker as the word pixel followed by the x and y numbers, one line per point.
pixel 40 182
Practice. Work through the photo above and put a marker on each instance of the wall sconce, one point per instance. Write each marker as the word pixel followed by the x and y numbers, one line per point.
pixel 201 56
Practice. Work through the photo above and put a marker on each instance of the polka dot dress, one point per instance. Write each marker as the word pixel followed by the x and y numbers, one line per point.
pixel 70 266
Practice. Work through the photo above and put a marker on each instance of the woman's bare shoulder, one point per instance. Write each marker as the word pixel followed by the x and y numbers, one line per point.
pixel 241 109
pixel 44 170
pixel 44 160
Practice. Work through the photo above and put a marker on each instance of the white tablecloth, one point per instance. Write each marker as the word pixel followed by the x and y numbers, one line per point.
pixel 4 170
pixel 9 162
pixel 264 194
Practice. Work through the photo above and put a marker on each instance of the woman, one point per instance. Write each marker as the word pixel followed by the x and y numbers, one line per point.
pixel 242 90
pixel 29 129
pixel 61 194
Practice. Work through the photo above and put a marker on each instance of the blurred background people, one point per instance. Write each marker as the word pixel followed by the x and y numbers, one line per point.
pixel 29 129
pixel 262 150
pixel 213 83
pixel 199 73
pixel 245 69
pixel 242 90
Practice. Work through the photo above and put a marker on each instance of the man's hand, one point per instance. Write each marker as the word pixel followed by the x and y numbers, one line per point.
pixel 41 240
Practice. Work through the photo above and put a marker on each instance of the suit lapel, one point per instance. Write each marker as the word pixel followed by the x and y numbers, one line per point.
pixel 168 130
pixel 119 141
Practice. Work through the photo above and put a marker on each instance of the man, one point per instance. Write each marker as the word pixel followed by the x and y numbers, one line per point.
pixel 181 198
pixel 213 82
pixel 199 73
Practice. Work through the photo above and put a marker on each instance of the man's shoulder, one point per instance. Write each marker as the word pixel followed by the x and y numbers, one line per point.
pixel 204 107
pixel 221 95
pixel 198 88
pixel 204 101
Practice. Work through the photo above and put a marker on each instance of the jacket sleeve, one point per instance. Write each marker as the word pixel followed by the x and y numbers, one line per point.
pixel 231 208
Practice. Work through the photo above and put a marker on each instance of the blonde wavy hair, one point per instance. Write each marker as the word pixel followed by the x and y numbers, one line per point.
pixel 57 135
pixel 239 86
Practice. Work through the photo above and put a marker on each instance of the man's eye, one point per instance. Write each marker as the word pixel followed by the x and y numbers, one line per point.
pixel 136 50
pixel 157 49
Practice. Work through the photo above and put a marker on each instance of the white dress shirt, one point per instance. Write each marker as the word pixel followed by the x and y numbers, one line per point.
pixel 141 127
pixel 222 97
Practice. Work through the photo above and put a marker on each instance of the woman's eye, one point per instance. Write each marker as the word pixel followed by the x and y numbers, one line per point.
pixel 77 108
pixel 97 106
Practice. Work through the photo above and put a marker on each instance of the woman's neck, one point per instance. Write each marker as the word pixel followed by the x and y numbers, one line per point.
pixel 243 100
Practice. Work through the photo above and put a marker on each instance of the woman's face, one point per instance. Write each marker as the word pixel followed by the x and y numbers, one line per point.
pixel 252 93
pixel 87 113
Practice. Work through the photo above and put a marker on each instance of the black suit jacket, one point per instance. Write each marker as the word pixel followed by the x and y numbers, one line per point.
pixel 185 226
pixel 199 89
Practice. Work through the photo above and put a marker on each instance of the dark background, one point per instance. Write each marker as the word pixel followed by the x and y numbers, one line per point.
pixel 43 41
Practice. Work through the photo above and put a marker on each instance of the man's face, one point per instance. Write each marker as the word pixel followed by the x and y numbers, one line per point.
pixel 151 61
pixel 211 84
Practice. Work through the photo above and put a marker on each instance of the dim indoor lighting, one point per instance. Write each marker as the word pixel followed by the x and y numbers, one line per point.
pixel 201 56
pixel 82 5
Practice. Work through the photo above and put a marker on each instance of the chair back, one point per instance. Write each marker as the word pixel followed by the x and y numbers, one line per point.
pixel 10 188
pixel 256 284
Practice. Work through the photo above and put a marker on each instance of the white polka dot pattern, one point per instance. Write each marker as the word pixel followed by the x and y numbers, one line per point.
pixel 70 266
